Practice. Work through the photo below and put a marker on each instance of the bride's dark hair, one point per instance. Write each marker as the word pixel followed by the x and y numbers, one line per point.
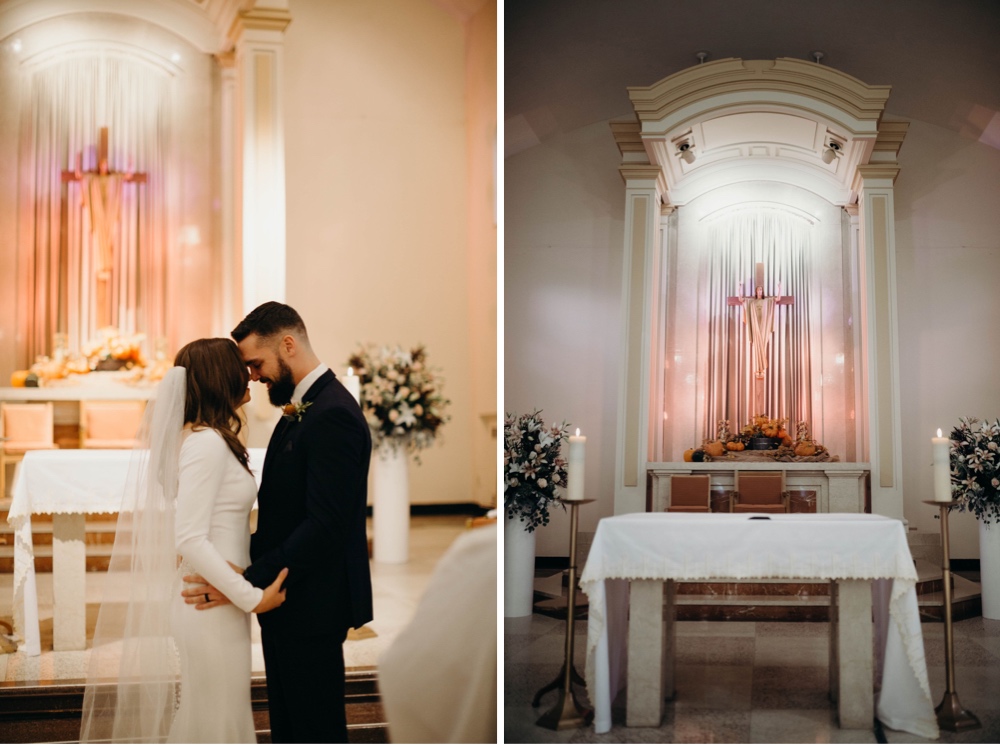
pixel 217 379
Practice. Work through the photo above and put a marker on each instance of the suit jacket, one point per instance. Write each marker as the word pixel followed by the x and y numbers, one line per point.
pixel 311 515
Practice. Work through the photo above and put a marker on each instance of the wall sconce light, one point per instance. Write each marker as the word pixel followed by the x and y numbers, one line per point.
pixel 833 149
pixel 685 152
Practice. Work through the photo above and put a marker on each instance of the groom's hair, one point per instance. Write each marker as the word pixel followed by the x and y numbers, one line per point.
pixel 269 320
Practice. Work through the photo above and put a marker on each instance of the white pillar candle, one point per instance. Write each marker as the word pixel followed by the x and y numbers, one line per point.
pixel 353 384
pixel 574 472
pixel 942 467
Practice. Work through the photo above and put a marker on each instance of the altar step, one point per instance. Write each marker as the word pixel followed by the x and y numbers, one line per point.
pixel 51 713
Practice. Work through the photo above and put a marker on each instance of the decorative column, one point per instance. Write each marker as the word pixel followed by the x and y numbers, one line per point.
pixel 879 333
pixel 642 223
pixel 258 35
pixel 230 304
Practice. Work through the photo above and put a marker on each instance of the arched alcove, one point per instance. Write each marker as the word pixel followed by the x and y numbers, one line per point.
pixel 776 148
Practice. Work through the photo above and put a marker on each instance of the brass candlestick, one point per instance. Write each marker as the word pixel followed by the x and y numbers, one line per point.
pixel 950 714
pixel 567 713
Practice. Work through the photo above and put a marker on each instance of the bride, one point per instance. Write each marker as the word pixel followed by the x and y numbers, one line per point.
pixel 186 510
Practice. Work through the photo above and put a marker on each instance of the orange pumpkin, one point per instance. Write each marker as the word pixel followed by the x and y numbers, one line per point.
pixel 18 377
pixel 715 448
pixel 689 455
pixel 735 446
pixel 805 448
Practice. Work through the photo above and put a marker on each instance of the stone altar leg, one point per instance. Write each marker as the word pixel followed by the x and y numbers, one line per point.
pixel 647 644
pixel 851 676
pixel 69 575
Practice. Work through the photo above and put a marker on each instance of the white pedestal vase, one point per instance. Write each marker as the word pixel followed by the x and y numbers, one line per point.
pixel 518 569
pixel 391 506
pixel 989 568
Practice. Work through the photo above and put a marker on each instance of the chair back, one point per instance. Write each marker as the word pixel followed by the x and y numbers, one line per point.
pixel 110 424
pixel 27 426
pixel 760 491
pixel 690 494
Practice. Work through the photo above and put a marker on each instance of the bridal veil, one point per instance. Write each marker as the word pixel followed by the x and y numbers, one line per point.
pixel 132 683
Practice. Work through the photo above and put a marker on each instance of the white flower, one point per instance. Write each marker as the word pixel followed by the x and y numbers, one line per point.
pixel 542 483
pixel 406 415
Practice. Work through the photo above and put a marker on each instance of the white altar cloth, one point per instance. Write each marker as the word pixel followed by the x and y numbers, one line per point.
pixel 64 482
pixel 692 547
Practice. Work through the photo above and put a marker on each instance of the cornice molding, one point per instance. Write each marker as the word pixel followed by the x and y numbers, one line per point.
pixel 259 19
pixel 785 75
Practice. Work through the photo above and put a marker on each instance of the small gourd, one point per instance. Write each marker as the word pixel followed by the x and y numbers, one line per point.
pixel 689 455
pixel 734 446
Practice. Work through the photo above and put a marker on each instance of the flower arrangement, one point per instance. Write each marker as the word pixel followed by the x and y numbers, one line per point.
pixel 975 468
pixel 532 467
pixel 400 396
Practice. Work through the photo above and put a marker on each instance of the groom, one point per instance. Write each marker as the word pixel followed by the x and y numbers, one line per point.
pixel 311 519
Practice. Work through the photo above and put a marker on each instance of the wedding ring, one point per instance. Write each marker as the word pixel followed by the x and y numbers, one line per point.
pixel 207 599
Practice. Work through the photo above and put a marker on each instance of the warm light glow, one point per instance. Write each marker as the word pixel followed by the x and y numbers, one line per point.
pixel 939 431
pixel 350 371
pixel 577 431
pixel 16 46
pixel 175 57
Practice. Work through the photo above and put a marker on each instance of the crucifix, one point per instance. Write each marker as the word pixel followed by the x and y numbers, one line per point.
pixel 101 193
pixel 758 314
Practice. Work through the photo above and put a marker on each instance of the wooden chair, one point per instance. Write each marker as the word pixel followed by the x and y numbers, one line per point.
pixel 690 494
pixel 110 424
pixel 23 427
pixel 760 491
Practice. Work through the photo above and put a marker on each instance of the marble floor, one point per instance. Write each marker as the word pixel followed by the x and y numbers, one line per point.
pixel 397 589
pixel 745 682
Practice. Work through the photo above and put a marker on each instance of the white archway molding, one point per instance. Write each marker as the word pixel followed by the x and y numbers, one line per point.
pixel 184 19
pixel 741 170
pixel 764 119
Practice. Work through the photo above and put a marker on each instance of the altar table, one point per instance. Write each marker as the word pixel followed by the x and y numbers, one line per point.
pixel 67 484
pixel 635 560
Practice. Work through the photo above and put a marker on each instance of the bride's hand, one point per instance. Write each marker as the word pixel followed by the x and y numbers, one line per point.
pixel 274 594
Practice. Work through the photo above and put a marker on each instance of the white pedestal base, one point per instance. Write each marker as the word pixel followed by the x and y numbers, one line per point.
pixel 391 507
pixel 518 569
pixel 989 568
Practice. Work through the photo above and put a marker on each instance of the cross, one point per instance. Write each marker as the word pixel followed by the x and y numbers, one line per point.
pixel 101 195
pixel 77 173
pixel 759 315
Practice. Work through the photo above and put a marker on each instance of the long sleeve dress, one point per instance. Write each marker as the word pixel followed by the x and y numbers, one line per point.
pixel 212 526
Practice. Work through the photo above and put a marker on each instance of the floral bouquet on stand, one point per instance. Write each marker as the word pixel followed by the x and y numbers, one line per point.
pixel 975 468
pixel 533 467
pixel 400 396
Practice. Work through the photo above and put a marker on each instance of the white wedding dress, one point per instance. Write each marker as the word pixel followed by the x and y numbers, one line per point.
pixel 214 499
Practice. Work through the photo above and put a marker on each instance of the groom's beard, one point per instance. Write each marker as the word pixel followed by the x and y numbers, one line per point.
pixel 282 388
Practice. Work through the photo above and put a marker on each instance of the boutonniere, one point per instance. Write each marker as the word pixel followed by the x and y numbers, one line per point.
pixel 295 411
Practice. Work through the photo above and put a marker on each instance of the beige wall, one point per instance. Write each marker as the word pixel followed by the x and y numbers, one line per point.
pixel 377 220
pixel 947 268
pixel 564 206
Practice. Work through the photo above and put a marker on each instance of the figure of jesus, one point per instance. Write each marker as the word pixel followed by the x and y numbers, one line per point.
pixel 758 314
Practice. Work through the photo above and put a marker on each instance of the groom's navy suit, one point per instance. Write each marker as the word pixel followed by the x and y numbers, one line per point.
pixel 311 519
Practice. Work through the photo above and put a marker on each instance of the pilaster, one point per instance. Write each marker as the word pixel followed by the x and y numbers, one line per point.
pixel 880 350
pixel 258 36
pixel 643 187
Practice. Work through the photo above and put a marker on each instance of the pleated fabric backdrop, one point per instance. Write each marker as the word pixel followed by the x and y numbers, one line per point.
pixel 737 242
pixel 65 100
